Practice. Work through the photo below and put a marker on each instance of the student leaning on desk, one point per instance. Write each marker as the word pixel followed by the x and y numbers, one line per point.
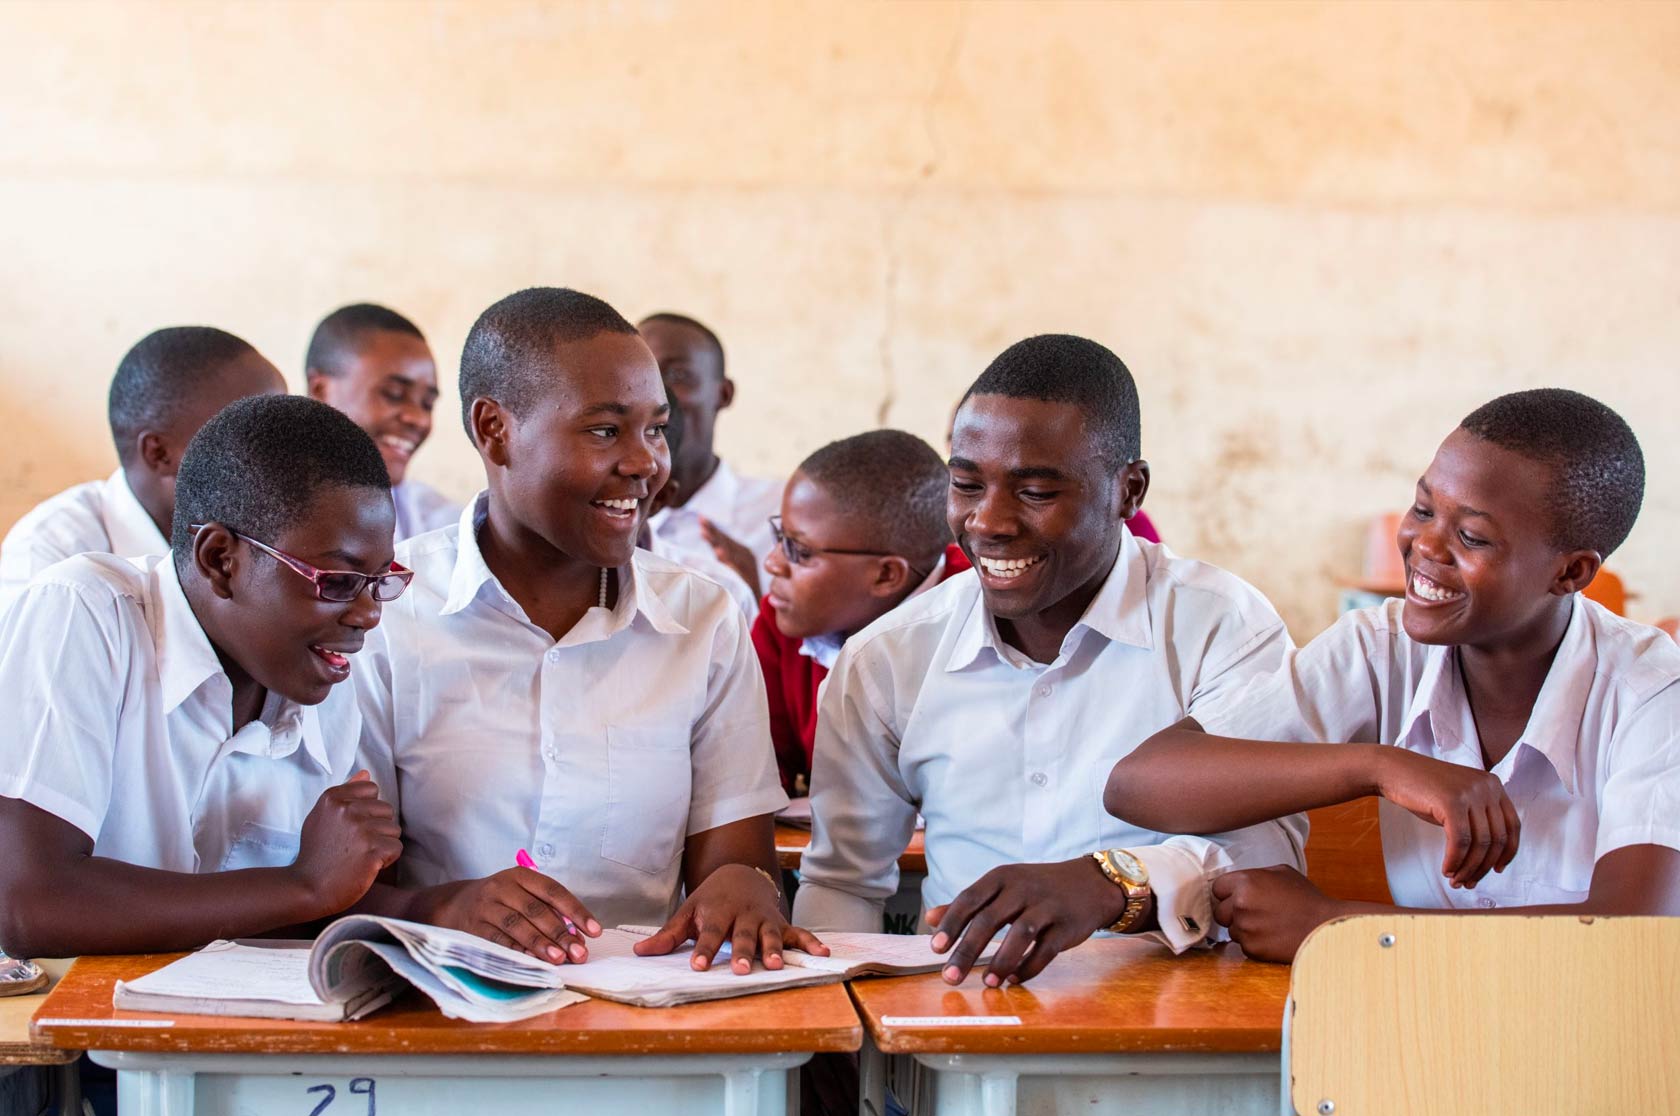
pixel 1524 740
pixel 177 770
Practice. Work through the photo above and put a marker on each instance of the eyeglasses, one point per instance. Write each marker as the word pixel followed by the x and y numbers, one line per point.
pixel 799 554
pixel 337 586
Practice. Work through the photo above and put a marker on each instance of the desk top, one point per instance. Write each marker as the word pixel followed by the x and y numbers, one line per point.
pixel 1110 995
pixel 794 1020
pixel 791 841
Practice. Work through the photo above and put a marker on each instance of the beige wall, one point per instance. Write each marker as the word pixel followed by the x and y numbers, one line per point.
pixel 1318 233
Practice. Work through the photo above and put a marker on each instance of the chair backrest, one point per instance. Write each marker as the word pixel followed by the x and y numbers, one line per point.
pixel 1344 852
pixel 1607 589
pixel 1493 1015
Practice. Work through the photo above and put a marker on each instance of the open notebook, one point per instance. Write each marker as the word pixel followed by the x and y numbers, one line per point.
pixel 361 961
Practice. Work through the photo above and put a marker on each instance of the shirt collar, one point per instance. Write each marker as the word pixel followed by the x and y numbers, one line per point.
pixel 637 596
pixel 128 525
pixel 1119 612
pixel 825 649
pixel 1554 725
pixel 187 660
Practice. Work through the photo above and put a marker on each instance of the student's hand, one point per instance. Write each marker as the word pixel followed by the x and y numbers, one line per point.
pixel 348 837
pixel 1470 804
pixel 1047 907
pixel 732 554
pixel 739 904
pixel 519 908
pixel 1270 911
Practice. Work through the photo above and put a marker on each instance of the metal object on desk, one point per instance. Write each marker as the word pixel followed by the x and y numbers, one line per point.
pixel 19 978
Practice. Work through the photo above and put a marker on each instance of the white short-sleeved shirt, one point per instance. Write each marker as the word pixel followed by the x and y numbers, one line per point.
pixel 928 709
pixel 742 506
pixel 123 725
pixel 599 753
pixel 1597 767
pixel 707 563
pixel 421 508
pixel 99 517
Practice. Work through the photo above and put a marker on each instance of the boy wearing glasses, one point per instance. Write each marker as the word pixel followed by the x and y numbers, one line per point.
pixel 178 765
pixel 862 530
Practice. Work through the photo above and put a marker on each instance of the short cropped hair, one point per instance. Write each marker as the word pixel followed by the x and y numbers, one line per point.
pixel 894 482
pixel 162 375
pixel 505 349
pixel 336 338
pixel 699 327
pixel 257 466
pixel 1062 368
pixel 1598 469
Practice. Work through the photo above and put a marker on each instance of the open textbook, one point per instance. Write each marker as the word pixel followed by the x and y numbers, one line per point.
pixel 361 961
pixel 357 965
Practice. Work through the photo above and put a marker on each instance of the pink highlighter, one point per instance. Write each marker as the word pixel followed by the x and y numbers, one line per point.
pixel 523 860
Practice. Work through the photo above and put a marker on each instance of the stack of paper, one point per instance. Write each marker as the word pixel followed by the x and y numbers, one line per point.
pixel 267 979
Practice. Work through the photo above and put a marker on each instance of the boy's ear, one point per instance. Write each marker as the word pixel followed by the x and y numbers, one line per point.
pixel 893 575
pixel 1134 486
pixel 490 428
pixel 315 386
pixel 216 556
pixel 726 393
pixel 155 454
pixel 1578 569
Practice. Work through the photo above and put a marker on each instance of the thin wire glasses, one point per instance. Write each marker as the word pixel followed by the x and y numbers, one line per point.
pixel 338 586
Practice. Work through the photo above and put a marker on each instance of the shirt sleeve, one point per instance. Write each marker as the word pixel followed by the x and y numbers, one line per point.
pixel 1639 801
pixel 1183 867
pixel 733 767
pixel 862 813
pixel 60 752
pixel 1326 691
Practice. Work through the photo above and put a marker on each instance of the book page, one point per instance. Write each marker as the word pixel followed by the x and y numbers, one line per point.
pixel 615 971
pixel 232 971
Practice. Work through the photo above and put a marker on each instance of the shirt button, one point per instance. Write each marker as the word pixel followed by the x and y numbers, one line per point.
pixel 545 850
pixel 1043 689
pixel 549 752
pixel 1039 778
pixel 553 655
pixel 1485 903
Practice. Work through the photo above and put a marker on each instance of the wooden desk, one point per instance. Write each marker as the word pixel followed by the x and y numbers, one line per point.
pixel 19 1048
pixel 1114 1025
pixel 791 841
pixel 727 1056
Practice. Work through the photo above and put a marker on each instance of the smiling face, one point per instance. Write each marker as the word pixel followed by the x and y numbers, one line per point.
pixel 693 371
pixel 1481 567
pixel 268 621
pixel 1033 507
pixel 388 386
pixel 580 468
pixel 826 592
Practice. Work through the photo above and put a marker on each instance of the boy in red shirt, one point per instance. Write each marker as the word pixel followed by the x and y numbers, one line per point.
pixel 862 529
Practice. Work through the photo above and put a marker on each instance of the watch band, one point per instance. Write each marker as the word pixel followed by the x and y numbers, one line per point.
pixel 1137 894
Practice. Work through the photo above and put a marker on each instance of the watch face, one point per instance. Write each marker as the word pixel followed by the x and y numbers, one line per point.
pixel 1131 869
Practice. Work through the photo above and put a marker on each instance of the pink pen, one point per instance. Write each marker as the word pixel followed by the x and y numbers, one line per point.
pixel 523 860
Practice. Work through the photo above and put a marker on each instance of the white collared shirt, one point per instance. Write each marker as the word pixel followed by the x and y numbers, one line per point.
pixel 600 753
pixel 99 517
pixel 739 591
pixel 825 649
pixel 1006 758
pixel 421 508
pixel 122 725
pixel 742 506
pixel 1597 767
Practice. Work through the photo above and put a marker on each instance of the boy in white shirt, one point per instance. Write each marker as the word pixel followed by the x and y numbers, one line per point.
pixel 547 686
pixel 996 702
pixel 164 389
pixel 1509 724
pixel 717 512
pixel 374 365
pixel 179 755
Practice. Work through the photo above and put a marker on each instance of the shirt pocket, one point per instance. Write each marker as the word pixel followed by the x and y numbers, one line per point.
pixel 260 846
pixel 648 783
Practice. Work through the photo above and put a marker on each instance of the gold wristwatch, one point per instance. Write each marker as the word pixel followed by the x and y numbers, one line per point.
pixel 1127 873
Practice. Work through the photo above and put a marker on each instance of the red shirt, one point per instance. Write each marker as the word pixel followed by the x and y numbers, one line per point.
pixel 792 680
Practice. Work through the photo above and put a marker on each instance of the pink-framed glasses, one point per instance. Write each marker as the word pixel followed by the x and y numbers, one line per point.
pixel 338 586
